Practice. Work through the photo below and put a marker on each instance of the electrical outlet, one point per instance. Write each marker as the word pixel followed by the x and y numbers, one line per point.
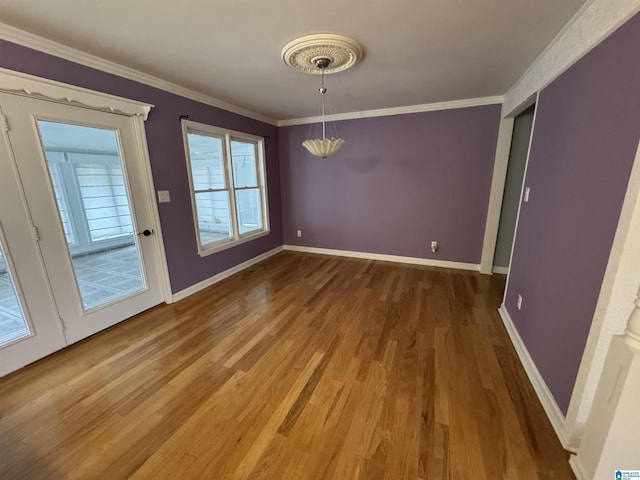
pixel 519 302
pixel 299 233
pixel 434 246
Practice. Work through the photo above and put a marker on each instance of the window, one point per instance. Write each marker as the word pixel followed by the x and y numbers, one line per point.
pixel 228 191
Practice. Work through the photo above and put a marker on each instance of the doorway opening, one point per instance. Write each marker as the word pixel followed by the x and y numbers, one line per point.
pixel 520 140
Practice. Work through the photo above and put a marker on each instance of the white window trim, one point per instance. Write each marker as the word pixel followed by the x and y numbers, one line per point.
pixel 228 135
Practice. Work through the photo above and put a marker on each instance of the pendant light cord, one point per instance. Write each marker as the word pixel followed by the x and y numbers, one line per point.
pixel 322 92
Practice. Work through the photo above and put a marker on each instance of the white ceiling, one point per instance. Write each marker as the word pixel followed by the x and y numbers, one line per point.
pixel 416 51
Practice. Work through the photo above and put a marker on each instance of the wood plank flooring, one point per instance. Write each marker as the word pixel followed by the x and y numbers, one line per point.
pixel 301 367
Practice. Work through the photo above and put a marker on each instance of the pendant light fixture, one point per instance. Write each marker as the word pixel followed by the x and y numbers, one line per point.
pixel 323 147
pixel 322 54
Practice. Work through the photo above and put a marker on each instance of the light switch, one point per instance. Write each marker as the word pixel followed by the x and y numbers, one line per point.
pixel 163 196
pixel 519 302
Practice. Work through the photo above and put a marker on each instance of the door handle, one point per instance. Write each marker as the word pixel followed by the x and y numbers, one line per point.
pixel 146 232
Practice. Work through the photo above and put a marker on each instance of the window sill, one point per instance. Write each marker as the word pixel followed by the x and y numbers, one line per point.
pixel 219 247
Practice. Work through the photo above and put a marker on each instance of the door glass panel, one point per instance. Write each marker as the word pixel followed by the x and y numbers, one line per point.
pixel 86 172
pixel 12 321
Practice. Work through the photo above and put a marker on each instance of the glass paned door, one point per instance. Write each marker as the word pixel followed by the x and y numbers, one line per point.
pixel 86 173
pixel 13 323
pixel 86 185
pixel 30 327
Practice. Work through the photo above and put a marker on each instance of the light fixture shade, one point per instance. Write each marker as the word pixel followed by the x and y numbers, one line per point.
pixel 323 147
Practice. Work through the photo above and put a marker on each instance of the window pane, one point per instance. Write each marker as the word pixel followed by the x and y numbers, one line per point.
pixel 12 322
pixel 214 217
pixel 205 155
pixel 249 210
pixel 243 156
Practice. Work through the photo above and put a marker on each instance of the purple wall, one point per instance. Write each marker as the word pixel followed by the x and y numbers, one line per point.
pixel 398 183
pixel 164 136
pixel 583 147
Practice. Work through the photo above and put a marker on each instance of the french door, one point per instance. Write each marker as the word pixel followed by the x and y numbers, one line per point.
pixel 87 217
pixel 29 324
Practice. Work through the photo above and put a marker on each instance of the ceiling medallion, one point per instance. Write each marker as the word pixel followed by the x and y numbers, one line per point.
pixel 303 53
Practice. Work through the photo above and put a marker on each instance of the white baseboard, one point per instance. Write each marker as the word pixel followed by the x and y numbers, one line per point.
pixel 576 466
pixel 222 275
pixel 386 258
pixel 544 394
pixel 500 270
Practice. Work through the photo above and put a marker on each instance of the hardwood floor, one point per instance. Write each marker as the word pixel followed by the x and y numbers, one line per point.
pixel 301 367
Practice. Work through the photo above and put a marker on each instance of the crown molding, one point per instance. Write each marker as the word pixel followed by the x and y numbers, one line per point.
pixel 591 24
pixel 30 40
pixel 384 112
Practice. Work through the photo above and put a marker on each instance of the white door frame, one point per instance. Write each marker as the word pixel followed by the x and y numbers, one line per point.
pixel 498 181
pixel 503 149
